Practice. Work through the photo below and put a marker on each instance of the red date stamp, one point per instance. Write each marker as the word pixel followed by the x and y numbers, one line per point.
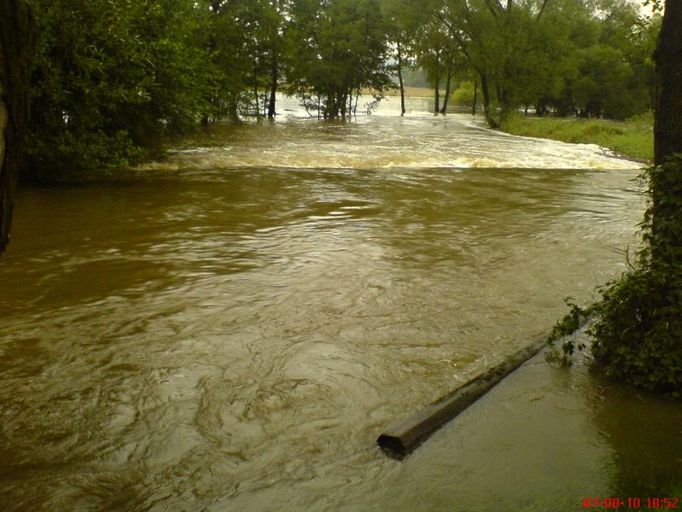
pixel 652 503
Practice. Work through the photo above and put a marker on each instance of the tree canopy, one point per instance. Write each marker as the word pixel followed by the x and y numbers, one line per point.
pixel 115 79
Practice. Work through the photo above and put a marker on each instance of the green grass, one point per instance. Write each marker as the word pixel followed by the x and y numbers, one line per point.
pixel 633 138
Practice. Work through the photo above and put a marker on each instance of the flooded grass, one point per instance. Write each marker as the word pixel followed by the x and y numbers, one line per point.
pixel 633 138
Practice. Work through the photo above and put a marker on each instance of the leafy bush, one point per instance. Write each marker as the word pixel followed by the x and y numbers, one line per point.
pixel 638 332
pixel 464 94
pixel 637 329
pixel 567 325
pixel 63 154
pixel 114 79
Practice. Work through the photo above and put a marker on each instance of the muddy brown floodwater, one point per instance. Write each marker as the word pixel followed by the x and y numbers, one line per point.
pixel 230 329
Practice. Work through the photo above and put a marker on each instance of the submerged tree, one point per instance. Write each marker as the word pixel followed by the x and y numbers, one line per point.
pixel 250 42
pixel 339 50
pixel 403 20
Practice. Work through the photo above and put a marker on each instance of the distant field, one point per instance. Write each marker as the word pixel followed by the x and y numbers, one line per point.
pixel 633 138
pixel 413 92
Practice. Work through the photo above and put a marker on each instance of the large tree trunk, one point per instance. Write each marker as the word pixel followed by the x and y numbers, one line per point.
pixel 668 57
pixel 666 184
pixel 17 42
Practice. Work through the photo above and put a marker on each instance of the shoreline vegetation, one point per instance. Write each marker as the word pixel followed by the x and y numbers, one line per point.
pixel 632 138
pixel 114 81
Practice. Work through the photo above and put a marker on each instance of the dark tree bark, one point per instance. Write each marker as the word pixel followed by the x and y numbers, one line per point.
pixel 666 181
pixel 400 81
pixel 436 89
pixel 274 71
pixel 448 86
pixel 668 58
pixel 485 92
pixel 473 106
pixel 17 42
pixel 274 77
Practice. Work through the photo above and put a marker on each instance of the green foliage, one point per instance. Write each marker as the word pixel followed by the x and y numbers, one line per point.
pixel 464 94
pixel 344 51
pixel 403 19
pixel 565 56
pixel 596 90
pixel 69 154
pixel 639 327
pixel 251 48
pixel 113 79
pixel 566 326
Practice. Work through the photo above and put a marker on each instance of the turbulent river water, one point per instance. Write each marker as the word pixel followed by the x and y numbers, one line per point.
pixel 231 328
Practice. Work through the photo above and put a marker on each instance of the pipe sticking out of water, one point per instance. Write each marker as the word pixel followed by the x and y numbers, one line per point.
pixel 403 438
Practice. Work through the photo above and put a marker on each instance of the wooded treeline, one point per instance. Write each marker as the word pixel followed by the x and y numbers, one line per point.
pixel 114 79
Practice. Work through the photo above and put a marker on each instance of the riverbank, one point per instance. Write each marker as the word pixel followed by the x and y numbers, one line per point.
pixel 633 139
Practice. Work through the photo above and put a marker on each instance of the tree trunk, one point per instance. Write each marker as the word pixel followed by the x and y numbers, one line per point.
pixel 501 98
pixel 400 81
pixel 274 76
pixel 473 106
pixel 343 104
pixel 256 101
pixel 436 79
pixel 668 58
pixel 448 85
pixel 485 91
pixel 17 42
pixel 666 182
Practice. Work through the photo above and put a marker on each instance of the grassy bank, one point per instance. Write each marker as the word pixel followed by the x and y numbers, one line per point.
pixel 410 92
pixel 414 92
pixel 633 138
